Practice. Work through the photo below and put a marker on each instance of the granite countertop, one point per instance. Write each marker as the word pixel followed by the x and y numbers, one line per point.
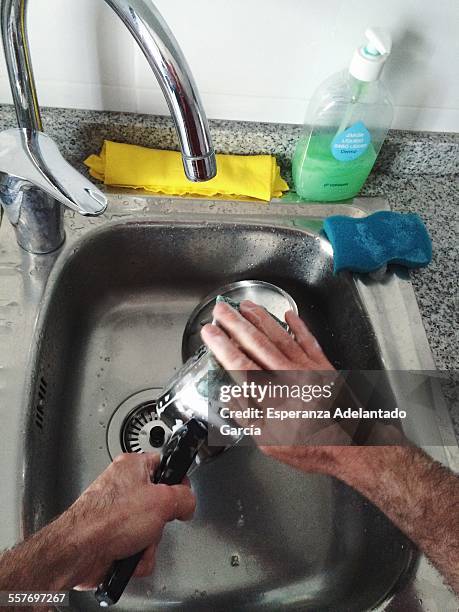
pixel 416 172
pixel 435 199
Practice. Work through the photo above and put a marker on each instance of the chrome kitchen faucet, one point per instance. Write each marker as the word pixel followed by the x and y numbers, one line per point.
pixel 34 177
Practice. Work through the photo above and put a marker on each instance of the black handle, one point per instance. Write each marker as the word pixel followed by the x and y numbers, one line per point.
pixel 176 460
pixel 116 580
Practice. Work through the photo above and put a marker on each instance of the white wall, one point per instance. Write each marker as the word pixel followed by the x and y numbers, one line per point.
pixel 252 59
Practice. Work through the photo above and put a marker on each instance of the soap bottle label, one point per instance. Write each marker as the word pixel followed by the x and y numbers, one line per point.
pixel 351 143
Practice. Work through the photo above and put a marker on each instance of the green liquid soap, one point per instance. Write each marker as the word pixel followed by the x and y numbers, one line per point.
pixel 318 176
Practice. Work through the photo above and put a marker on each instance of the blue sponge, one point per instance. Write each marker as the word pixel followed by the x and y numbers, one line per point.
pixel 366 244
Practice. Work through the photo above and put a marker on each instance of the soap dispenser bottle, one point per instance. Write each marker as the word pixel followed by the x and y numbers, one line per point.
pixel 347 121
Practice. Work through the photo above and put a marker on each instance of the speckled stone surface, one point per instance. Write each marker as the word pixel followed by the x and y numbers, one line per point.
pixel 80 133
pixel 416 172
pixel 436 200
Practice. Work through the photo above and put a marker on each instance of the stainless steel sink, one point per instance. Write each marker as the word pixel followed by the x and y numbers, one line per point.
pixel 86 328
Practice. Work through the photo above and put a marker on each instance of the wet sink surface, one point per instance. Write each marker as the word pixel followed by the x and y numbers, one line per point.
pixel 264 537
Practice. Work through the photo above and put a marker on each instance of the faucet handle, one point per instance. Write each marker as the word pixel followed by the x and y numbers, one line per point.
pixel 29 158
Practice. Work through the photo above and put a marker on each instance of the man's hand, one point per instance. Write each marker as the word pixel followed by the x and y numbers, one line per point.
pixel 252 340
pixel 418 494
pixel 122 512
pixel 119 514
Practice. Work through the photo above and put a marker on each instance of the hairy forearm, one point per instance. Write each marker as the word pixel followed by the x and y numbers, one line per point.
pixel 49 560
pixel 418 494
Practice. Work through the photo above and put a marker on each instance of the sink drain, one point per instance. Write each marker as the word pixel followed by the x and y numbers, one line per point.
pixel 143 430
pixel 135 426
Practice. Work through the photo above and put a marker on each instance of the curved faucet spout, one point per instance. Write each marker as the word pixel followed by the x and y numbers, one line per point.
pixel 169 65
pixel 34 178
pixel 164 56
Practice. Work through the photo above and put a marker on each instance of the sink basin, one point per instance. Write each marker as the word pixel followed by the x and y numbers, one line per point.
pixel 108 313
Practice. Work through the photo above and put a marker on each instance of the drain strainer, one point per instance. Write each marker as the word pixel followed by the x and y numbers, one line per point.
pixel 143 430
pixel 135 426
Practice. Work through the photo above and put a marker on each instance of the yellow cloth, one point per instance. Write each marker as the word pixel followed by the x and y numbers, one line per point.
pixel 124 165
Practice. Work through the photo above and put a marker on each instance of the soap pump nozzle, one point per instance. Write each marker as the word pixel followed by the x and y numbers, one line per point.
pixel 368 60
